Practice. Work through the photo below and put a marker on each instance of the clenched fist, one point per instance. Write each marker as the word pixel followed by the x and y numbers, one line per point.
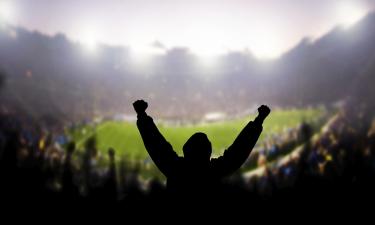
pixel 264 111
pixel 140 106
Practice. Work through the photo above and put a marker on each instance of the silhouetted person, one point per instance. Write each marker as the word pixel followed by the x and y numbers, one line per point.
pixel 110 185
pixel 196 172
pixel 69 189
pixel 90 153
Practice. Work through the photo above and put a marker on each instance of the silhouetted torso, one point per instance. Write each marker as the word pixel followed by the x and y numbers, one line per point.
pixel 196 173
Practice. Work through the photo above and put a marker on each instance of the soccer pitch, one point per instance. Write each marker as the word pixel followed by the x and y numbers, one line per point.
pixel 124 137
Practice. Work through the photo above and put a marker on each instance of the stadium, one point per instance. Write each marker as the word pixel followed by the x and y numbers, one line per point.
pixel 68 129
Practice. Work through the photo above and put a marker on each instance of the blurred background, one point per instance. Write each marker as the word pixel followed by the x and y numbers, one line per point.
pixel 70 70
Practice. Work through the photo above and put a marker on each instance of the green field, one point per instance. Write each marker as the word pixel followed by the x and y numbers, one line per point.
pixel 125 139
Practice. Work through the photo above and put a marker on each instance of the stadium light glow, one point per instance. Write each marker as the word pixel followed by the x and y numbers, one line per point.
pixel 141 60
pixel 206 28
pixel 266 41
pixel 265 48
pixel 349 12
pixel 143 50
pixel 208 61
pixel 7 12
pixel 88 38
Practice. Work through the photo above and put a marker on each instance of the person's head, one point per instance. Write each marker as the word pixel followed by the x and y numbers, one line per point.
pixel 111 154
pixel 198 148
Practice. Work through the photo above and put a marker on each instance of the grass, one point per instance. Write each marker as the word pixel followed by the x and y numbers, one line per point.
pixel 125 139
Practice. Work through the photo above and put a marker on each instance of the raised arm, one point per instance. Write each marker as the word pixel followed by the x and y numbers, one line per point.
pixel 158 148
pixel 238 152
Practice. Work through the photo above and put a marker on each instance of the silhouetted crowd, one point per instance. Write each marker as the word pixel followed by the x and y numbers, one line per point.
pixel 335 165
pixel 340 160
pixel 275 146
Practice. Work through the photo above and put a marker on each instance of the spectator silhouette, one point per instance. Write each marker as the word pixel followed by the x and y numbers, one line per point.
pixel 69 189
pixel 196 173
pixel 90 153
pixel 110 186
